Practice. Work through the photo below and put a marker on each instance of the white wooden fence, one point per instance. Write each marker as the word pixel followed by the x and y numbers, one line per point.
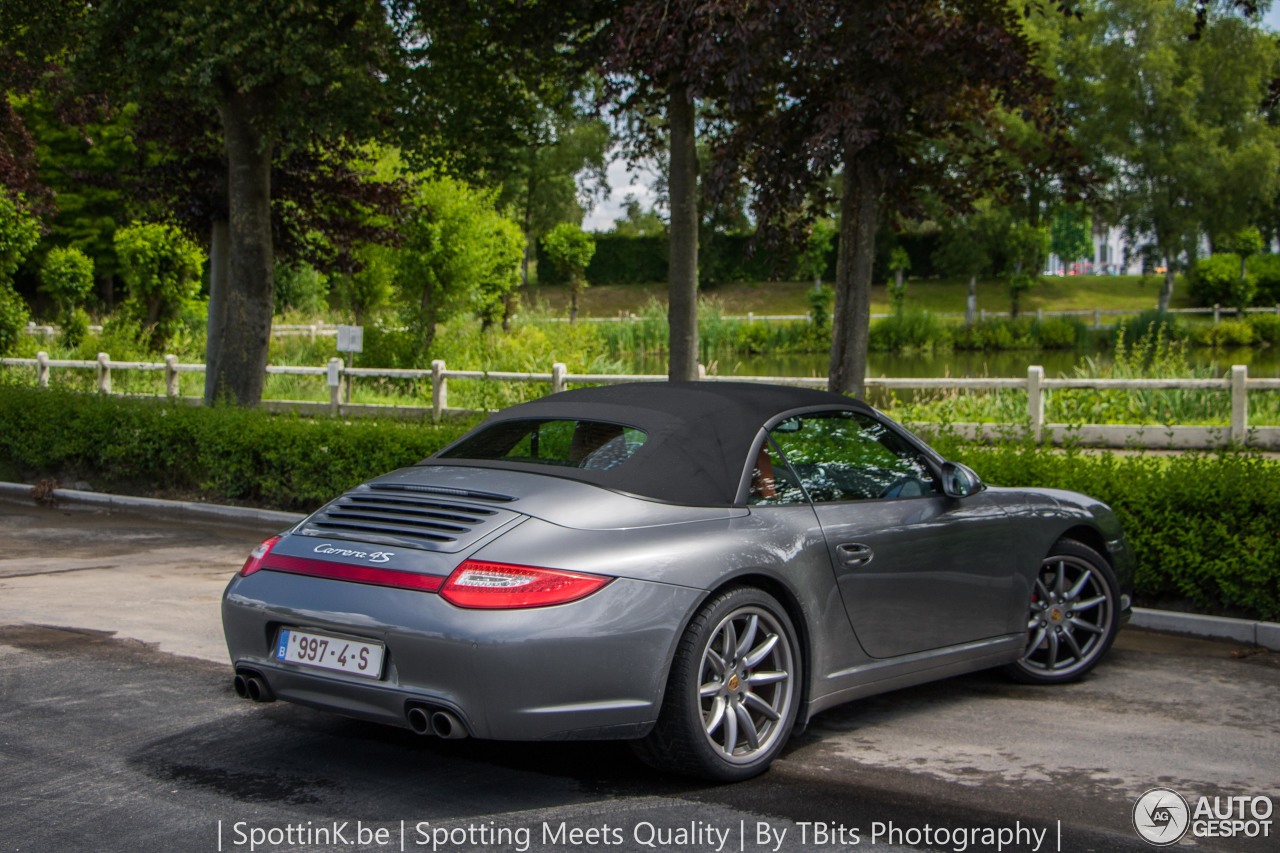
pixel 1237 384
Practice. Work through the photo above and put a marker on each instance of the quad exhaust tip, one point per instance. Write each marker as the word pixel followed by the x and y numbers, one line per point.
pixel 251 685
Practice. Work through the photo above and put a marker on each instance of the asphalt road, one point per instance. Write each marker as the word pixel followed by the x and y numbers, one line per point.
pixel 119 731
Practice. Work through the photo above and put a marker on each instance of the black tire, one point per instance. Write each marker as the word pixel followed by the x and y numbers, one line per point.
pixel 729 725
pixel 1073 617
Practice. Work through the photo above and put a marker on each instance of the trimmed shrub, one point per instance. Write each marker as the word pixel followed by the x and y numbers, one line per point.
pixel 228 454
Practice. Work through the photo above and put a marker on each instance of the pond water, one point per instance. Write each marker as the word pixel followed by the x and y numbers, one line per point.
pixel 1262 362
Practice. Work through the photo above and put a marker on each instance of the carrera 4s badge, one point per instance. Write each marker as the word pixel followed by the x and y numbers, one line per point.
pixel 371 556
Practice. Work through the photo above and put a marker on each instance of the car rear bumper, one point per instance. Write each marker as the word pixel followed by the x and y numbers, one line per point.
pixel 594 668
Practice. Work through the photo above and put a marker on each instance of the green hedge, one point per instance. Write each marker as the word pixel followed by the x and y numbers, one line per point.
pixel 1205 528
pixel 225 454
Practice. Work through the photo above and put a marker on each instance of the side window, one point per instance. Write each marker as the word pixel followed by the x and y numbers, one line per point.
pixel 846 456
pixel 772 481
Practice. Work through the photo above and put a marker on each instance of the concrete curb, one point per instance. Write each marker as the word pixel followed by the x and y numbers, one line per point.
pixel 181 509
pixel 1264 634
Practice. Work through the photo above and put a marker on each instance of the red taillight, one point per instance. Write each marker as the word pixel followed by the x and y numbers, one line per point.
pixel 501 586
pixel 257 555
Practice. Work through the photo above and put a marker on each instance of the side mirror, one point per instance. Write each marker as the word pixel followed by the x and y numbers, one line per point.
pixel 959 481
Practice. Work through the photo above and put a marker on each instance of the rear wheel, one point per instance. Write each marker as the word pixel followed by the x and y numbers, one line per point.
pixel 733 692
pixel 1073 617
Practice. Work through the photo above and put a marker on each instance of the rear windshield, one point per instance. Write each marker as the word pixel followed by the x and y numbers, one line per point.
pixel 593 445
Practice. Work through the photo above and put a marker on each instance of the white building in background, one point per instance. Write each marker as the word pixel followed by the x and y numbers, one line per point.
pixel 1112 255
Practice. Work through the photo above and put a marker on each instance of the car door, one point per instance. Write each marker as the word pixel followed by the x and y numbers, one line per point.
pixel 917 570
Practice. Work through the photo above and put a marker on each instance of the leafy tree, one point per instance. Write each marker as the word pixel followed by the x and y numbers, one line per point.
pixel 1071 234
pixel 638 222
pixel 300 287
pixel 962 251
pixel 570 250
pixel 897 98
pixel 662 57
pixel 458 255
pixel 818 245
pixel 899 264
pixel 1175 125
pixel 86 162
pixel 67 276
pixel 276 77
pixel 161 268
pixel 19 233
pixel 565 154
pixel 366 290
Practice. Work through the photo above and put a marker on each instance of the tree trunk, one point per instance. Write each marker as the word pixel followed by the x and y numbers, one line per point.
pixel 239 352
pixel 1166 289
pixel 682 272
pixel 971 301
pixel 219 249
pixel 851 325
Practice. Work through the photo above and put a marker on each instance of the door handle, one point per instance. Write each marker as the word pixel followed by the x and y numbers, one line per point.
pixel 854 554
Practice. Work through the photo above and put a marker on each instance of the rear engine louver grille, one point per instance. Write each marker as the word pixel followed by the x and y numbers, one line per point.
pixel 416 519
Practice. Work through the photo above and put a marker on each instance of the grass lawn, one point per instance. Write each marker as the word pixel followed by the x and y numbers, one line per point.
pixel 1068 293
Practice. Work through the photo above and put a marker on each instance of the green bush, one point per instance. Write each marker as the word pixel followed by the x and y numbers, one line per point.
pixel 226 454
pixel 1265 270
pixel 910 330
pixel 1202 526
pixel 1152 324
pixel 14 317
pixel 1216 280
pixel 300 287
pixel 1225 333
pixel 1266 327
pixel 996 333
pixel 1060 332
pixel 161 267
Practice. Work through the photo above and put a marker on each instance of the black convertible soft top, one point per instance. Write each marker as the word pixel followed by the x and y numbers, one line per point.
pixel 699 434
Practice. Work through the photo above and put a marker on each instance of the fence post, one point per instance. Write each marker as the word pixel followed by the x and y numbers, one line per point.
pixel 104 373
pixel 1239 404
pixel 1039 315
pixel 1097 318
pixel 1217 309
pixel 439 390
pixel 335 382
pixel 42 369
pixel 313 332
pixel 558 371
pixel 1035 401
pixel 171 376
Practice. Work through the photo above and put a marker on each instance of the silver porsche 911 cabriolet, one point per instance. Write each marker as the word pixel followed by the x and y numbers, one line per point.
pixel 696 567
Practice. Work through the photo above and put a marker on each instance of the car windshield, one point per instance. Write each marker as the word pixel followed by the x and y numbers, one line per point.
pixel 592 445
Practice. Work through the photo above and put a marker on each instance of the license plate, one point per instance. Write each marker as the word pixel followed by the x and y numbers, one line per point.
pixel 357 657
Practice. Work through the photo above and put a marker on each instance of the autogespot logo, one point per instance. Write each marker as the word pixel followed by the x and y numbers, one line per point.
pixel 1161 816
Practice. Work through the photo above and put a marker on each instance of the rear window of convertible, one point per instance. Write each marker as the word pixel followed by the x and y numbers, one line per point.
pixel 592 445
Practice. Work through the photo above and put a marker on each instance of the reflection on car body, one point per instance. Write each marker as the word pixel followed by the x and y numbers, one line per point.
pixel 698 568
